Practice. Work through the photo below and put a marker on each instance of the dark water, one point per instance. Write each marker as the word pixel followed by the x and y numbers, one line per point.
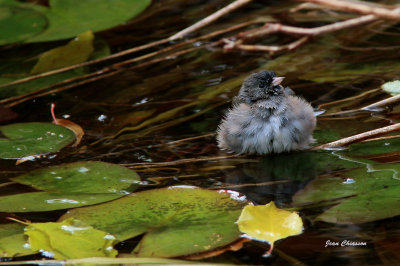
pixel 208 78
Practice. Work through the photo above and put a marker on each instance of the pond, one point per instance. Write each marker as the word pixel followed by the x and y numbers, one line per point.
pixel 155 111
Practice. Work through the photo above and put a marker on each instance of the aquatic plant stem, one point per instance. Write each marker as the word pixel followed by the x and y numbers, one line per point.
pixel 209 19
pixel 370 107
pixel 384 102
pixel 359 7
pixel 88 63
pixel 264 48
pixel 111 70
pixel 181 161
pixel 270 28
pixel 359 137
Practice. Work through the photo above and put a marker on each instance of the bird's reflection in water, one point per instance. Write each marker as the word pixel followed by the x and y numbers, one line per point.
pixel 274 177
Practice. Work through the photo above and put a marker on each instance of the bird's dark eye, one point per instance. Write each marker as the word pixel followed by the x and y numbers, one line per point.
pixel 263 83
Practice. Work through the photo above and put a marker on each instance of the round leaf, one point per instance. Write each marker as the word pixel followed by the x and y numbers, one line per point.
pixel 70 186
pixel 268 223
pixel 70 18
pixel 84 177
pixel 50 201
pixel 175 221
pixel 18 23
pixel 27 139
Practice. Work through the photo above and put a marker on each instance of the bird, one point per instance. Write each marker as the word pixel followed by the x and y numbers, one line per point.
pixel 266 118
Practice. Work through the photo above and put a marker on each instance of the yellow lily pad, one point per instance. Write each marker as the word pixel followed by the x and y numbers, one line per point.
pixel 269 223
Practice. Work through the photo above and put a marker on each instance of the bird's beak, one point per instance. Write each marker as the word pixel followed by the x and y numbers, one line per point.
pixel 277 80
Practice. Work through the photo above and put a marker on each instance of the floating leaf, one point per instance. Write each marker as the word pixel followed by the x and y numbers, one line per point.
pixel 85 177
pixel 175 221
pixel 69 18
pixel 13 242
pixel 28 139
pixel 71 185
pixel 267 222
pixel 365 194
pixel 74 52
pixel 18 23
pixel 392 87
pixel 70 239
pixel 372 206
pixel 50 201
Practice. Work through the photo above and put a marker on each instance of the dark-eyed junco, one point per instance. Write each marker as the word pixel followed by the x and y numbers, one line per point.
pixel 266 118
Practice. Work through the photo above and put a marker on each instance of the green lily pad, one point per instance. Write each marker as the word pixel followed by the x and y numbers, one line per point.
pixel 84 177
pixel 175 221
pixel 13 242
pixel 70 239
pixel 375 205
pixel 63 19
pixel 50 201
pixel 69 18
pixel 70 186
pixel 374 147
pixel 18 23
pixel 28 139
pixel 365 194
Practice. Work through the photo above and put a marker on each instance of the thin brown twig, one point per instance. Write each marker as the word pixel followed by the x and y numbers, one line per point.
pixel 74 79
pixel 185 140
pixel 7 184
pixel 60 70
pixel 270 28
pixel 348 99
pixel 368 49
pixel 63 88
pixel 265 48
pixel 382 138
pixel 359 137
pixel 359 7
pixel 371 107
pixel 268 183
pixel 209 19
pixel 178 35
pixel 101 73
pixel 103 76
pixel 177 162
pixel 384 102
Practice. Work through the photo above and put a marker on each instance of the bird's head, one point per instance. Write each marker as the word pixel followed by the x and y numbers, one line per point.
pixel 261 86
